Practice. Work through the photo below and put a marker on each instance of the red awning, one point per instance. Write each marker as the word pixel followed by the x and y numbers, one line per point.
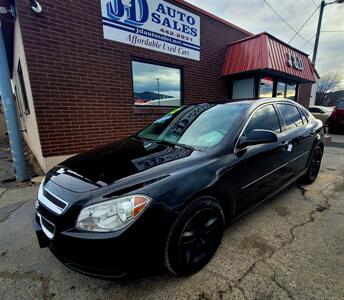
pixel 263 52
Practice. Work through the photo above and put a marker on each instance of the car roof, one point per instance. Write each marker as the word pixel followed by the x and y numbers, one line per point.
pixel 255 102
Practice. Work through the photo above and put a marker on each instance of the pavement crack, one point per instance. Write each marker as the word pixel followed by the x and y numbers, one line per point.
pixel 7 214
pixel 3 192
pixel 274 279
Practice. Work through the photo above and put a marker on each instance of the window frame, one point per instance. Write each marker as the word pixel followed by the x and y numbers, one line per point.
pixel 23 92
pixel 275 80
pixel 285 128
pixel 162 64
pixel 242 131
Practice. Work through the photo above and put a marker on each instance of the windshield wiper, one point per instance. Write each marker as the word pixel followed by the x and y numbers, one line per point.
pixel 177 144
pixel 167 143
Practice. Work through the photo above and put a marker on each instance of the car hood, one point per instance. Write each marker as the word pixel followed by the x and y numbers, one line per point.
pixel 131 160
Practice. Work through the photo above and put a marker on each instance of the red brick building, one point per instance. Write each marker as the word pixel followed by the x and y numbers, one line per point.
pixel 88 72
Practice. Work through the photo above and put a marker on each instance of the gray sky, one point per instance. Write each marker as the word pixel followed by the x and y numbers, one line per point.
pixel 255 16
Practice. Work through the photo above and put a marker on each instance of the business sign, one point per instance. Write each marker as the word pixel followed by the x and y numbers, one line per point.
pixel 152 24
pixel 295 62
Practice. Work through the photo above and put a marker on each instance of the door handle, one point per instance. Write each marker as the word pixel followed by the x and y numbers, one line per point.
pixel 310 133
pixel 285 143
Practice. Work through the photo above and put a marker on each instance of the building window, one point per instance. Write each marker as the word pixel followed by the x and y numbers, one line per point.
pixel 291 91
pixel 156 85
pixel 280 89
pixel 266 87
pixel 243 89
pixel 23 89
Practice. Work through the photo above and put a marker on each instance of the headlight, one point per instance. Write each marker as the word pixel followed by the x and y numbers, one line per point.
pixel 113 214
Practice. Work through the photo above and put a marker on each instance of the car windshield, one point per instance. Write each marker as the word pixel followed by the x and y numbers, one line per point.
pixel 200 126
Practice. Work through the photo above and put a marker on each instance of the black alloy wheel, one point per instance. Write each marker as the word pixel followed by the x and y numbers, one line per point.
pixel 315 164
pixel 195 237
pixel 314 167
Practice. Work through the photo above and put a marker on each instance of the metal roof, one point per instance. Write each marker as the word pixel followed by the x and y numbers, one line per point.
pixel 264 52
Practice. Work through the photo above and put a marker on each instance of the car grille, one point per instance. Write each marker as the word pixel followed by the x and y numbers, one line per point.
pixel 47 227
pixel 51 202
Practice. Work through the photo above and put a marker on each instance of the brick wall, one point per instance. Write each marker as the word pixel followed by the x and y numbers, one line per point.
pixel 81 83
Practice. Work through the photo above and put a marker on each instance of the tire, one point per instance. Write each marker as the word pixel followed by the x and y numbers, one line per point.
pixel 313 168
pixel 194 237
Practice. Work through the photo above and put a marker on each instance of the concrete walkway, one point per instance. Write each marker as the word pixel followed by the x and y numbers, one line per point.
pixel 289 248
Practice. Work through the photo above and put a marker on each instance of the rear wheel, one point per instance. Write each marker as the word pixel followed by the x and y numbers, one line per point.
pixel 195 237
pixel 314 167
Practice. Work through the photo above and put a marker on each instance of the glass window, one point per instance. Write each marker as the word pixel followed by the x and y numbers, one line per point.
pixel 291 91
pixel 304 118
pixel 291 115
pixel 264 118
pixel 280 90
pixel 200 126
pixel 243 89
pixel 266 87
pixel 314 110
pixel 23 89
pixel 156 85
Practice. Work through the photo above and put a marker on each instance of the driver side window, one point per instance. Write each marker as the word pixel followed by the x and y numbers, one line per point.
pixel 264 118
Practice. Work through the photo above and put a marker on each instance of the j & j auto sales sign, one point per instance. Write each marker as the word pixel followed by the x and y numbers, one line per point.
pixel 152 24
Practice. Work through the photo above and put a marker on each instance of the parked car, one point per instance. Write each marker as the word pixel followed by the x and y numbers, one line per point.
pixel 322 113
pixel 166 193
pixel 336 120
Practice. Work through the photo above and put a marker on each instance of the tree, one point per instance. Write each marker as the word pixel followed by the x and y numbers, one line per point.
pixel 327 83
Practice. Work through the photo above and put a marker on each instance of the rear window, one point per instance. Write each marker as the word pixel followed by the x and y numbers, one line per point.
pixel 291 115
pixel 314 110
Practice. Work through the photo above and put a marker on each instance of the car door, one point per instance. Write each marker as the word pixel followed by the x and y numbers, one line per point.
pixel 298 133
pixel 258 169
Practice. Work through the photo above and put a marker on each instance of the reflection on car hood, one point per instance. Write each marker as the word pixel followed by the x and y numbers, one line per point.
pixel 107 164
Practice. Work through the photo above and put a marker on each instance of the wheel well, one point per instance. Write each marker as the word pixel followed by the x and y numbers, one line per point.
pixel 227 204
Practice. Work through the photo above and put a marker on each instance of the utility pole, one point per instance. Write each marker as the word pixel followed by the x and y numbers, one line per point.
pixel 316 44
pixel 10 111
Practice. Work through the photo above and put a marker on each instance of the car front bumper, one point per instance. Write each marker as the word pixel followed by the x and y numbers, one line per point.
pixel 106 255
pixel 104 258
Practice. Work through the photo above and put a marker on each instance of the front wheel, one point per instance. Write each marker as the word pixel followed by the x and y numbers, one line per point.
pixel 194 237
pixel 314 167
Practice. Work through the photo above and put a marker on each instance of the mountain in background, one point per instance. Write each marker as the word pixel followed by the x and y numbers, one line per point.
pixel 150 96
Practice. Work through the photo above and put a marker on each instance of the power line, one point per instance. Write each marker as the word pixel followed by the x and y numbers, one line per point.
pixel 333 31
pixel 315 4
pixel 304 24
pixel 308 42
pixel 268 4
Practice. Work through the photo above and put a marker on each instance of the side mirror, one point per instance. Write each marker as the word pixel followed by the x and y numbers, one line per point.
pixel 257 137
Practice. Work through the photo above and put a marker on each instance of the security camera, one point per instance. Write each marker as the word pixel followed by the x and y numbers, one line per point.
pixel 36 7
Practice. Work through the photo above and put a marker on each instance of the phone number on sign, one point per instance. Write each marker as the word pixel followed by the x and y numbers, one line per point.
pixel 176 35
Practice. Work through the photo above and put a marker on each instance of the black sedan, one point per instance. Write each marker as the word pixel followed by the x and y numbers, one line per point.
pixel 166 193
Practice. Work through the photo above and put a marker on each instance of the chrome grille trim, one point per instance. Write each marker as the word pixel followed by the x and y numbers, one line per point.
pixel 48 204
pixel 47 232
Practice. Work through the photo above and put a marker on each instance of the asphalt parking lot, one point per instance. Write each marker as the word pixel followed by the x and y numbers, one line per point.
pixel 290 247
